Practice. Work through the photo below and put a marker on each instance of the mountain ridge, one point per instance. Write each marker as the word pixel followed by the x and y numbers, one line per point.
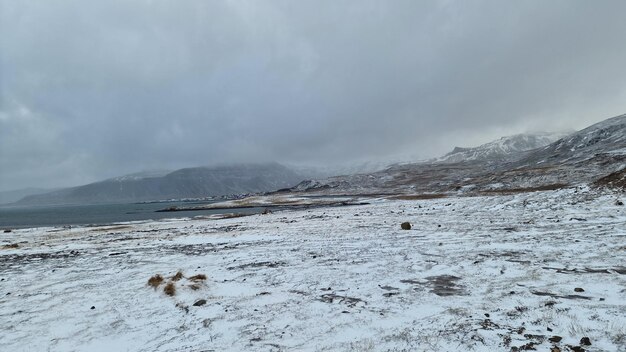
pixel 194 182
pixel 582 157
pixel 503 148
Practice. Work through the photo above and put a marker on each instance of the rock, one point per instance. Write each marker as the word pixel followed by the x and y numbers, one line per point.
pixel 579 289
pixel 585 341
pixel 555 349
pixel 617 202
pixel 555 339
pixel 93 307
pixel 576 348
pixel 199 303
pixel 7 230
pixel 405 226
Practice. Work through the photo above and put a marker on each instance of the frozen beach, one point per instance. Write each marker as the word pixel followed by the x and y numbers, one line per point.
pixel 535 270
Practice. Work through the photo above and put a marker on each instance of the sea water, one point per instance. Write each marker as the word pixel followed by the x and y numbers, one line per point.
pixel 100 214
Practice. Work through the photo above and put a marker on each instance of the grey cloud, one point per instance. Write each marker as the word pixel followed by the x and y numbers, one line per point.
pixel 95 89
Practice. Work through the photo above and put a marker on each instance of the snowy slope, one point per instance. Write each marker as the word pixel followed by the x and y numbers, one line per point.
pixel 501 149
pixel 606 137
pixel 480 274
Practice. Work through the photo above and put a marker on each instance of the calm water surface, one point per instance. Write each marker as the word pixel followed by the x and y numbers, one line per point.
pixel 102 214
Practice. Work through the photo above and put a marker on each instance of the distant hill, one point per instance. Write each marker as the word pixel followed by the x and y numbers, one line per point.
pixel 194 182
pixel 13 196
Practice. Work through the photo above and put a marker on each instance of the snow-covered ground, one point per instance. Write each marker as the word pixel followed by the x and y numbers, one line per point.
pixel 475 273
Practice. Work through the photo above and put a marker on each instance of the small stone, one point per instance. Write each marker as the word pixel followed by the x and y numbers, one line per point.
pixel 199 303
pixel 585 341
pixel 405 226
pixel 576 348
pixel 487 315
pixel 93 307
pixel 579 289
pixel 555 339
pixel 549 329
pixel 555 349
pixel 619 202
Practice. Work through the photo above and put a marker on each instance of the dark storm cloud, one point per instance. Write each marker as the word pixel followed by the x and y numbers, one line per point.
pixel 93 89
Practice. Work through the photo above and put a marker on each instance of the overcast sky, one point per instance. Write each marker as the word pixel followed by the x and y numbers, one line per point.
pixel 95 89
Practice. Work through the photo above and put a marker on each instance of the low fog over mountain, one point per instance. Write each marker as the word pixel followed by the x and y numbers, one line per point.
pixel 184 183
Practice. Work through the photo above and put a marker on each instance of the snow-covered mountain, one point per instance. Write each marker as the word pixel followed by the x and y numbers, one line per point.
pixel 507 164
pixel 605 137
pixel 502 149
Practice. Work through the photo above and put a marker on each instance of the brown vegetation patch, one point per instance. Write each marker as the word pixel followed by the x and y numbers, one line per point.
pixel 111 228
pixel 170 289
pixel 155 281
pixel 614 180
pixel 10 246
pixel 258 265
pixel 233 215
pixel 199 277
pixel 419 196
pixel 505 191
pixel 178 276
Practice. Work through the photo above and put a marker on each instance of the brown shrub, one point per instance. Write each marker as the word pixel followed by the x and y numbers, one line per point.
pixel 178 276
pixel 170 289
pixel 155 281
pixel 199 277
pixel 10 246
pixel 419 196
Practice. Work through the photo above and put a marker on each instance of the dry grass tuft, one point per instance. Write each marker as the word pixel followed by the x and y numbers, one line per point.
pixel 199 277
pixel 10 246
pixel 194 287
pixel 155 281
pixel 170 289
pixel 178 276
